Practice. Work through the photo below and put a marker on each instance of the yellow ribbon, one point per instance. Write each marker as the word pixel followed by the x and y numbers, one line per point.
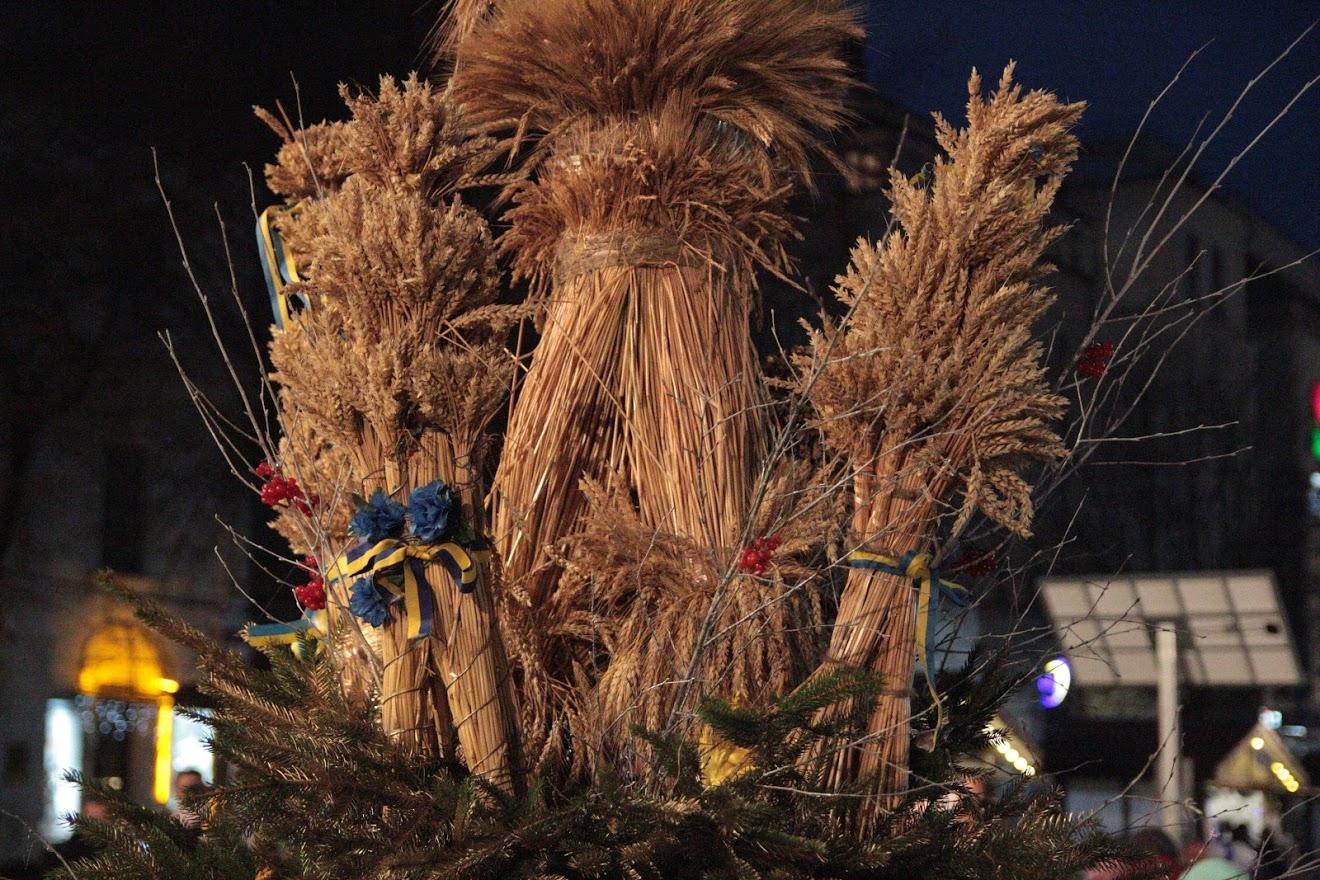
pixel 917 568
pixel 377 560
pixel 277 265
pixel 311 626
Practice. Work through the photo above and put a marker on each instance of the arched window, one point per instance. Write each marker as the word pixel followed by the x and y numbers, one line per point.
pixel 121 679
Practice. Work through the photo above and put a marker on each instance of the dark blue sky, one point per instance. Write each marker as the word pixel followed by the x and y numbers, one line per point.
pixel 1117 55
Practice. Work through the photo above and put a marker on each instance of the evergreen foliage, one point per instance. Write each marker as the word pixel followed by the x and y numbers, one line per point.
pixel 316 791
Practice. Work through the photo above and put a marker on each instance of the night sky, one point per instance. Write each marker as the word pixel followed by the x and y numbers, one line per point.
pixel 89 89
pixel 1118 55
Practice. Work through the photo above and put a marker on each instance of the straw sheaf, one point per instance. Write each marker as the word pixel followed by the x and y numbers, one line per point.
pixel 310 161
pixel 769 68
pixel 455 25
pixel 322 470
pixel 410 136
pixel 404 135
pixel 626 616
pixel 668 176
pixel 398 364
pixel 938 356
pixel 391 340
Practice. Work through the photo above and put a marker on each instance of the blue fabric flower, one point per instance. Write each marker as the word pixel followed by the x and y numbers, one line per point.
pixel 378 519
pixel 435 511
pixel 366 602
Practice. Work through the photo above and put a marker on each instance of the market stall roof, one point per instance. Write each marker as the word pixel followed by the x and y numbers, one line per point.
pixel 1262 761
pixel 1233 631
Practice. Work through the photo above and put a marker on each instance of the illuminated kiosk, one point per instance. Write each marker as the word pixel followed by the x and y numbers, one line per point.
pixel 121 726
pixel 1205 629
pixel 1251 779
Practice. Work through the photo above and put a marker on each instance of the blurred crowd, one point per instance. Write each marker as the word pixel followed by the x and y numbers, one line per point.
pixel 1230 854
pixel 188 787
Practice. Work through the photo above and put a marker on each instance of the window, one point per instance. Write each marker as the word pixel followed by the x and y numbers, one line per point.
pixel 63 752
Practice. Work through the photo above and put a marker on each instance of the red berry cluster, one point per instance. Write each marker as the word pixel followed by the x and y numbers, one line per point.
pixel 1094 359
pixel 311 594
pixel 755 559
pixel 280 490
pixel 974 563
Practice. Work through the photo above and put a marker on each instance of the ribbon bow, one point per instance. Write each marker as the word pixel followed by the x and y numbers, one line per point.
pixel 311 626
pixel 930 589
pixel 384 560
pixel 279 268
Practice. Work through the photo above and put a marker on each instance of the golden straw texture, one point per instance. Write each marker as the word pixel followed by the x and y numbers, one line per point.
pixel 665 137
pixel 398 365
pixel 934 386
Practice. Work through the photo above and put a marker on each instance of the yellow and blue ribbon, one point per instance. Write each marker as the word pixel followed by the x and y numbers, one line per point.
pixel 400 568
pixel 310 627
pixel 930 590
pixel 278 266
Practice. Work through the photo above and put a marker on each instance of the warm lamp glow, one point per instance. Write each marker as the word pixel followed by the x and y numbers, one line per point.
pixel 1257 743
pixel 120 661
pixel 164 740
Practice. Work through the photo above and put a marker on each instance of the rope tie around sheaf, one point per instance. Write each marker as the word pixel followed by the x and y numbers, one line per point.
pixel 930 588
pixel 590 252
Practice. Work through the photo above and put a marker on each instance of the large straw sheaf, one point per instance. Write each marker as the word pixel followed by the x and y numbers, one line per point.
pixel 665 137
pixel 626 618
pixel 771 69
pixel 399 364
pixel 934 387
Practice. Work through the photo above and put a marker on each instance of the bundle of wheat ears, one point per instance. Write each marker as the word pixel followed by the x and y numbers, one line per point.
pixel 396 368
pixel 654 146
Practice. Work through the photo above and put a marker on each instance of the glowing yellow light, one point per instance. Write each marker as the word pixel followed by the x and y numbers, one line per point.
pixel 1011 756
pixel 1292 785
pixel 1277 767
pixel 1002 746
pixel 119 660
pixel 1030 771
pixel 1021 764
pixel 1257 743
pixel 164 741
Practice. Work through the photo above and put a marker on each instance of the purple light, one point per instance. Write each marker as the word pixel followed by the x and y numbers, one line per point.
pixel 1053 684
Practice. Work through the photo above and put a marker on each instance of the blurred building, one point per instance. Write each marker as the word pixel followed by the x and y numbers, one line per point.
pixel 103 460
pixel 121 477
